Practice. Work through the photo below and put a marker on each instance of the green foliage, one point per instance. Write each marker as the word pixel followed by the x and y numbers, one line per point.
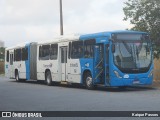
pixel 145 16
pixel 2 53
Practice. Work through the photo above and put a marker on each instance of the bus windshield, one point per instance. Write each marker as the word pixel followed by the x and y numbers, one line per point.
pixel 133 56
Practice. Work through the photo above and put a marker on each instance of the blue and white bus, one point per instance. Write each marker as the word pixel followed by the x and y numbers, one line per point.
pixel 118 58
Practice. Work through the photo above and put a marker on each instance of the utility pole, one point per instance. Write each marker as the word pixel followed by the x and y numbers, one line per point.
pixel 61 18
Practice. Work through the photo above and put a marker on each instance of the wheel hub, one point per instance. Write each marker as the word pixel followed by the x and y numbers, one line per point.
pixel 89 81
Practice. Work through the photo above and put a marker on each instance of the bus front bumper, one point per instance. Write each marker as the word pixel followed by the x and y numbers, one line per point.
pixel 130 82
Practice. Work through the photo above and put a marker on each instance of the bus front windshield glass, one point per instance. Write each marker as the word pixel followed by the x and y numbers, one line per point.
pixel 133 56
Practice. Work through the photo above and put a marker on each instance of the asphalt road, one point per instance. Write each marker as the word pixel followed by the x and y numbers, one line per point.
pixel 33 96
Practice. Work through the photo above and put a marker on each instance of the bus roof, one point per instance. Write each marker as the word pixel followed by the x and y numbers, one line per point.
pixel 64 38
pixel 107 34
pixel 75 37
pixel 18 45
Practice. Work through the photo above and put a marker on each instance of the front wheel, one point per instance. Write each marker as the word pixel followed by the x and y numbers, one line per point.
pixel 48 79
pixel 89 81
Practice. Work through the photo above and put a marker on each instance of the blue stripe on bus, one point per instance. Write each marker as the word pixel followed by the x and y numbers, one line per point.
pixel 27 63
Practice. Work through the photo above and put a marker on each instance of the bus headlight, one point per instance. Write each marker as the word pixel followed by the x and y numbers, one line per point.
pixel 117 74
pixel 150 74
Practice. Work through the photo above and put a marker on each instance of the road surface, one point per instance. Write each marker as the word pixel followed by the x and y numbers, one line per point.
pixel 34 96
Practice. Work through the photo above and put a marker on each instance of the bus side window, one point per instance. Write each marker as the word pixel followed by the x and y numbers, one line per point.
pixel 77 49
pixel 24 54
pixel 14 55
pixel 45 52
pixel 11 59
pixel 18 55
pixel 40 52
pixel 7 56
pixel 53 51
pixel 70 47
pixel 88 48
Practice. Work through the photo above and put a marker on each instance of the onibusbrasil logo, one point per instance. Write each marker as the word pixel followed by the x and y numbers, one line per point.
pixel 21 114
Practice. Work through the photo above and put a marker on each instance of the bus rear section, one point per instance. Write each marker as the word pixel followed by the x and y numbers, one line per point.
pixel 20 62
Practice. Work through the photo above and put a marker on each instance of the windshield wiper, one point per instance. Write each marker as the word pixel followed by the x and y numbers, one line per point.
pixel 127 47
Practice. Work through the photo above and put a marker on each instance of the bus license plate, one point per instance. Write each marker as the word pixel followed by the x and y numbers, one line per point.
pixel 136 82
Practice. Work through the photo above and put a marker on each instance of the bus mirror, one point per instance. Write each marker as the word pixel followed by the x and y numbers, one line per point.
pixel 113 48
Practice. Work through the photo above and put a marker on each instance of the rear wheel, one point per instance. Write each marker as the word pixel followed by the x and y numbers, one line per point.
pixel 17 76
pixel 48 78
pixel 89 81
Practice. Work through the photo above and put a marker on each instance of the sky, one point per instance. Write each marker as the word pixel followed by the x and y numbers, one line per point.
pixel 38 20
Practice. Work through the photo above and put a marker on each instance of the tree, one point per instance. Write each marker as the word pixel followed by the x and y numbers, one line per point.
pixel 2 53
pixel 145 16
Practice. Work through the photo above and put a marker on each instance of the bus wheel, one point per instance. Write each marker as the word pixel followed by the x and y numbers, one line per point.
pixel 17 77
pixel 48 78
pixel 89 81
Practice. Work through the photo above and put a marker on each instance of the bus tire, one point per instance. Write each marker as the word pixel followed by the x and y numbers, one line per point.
pixel 17 76
pixel 89 81
pixel 48 78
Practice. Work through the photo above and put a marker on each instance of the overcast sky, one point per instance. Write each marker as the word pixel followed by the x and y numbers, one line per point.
pixel 37 20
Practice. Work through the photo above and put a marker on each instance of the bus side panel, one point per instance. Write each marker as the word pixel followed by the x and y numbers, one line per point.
pixel 40 66
pixel 21 67
pixel 54 70
pixel 86 65
pixel 43 65
pixel 74 71
pixel 11 64
pixel 32 68
pixel 22 70
pixel 6 66
pixel 51 65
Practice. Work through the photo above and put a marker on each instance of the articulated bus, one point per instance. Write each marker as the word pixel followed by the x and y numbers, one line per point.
pixel 116 59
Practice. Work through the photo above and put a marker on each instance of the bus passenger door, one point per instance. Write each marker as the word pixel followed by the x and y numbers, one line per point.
pixel 63 63
pixel 107 64
pixel 99 63
pixel 11 72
